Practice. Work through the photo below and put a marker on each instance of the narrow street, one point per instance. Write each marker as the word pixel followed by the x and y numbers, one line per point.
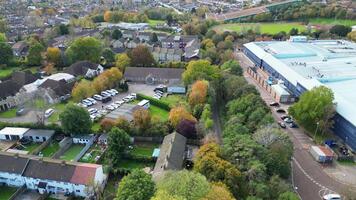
pixel 309 179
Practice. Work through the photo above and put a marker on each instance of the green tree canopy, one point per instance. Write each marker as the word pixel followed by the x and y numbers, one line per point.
pixel 200 70
pixel 138 185
pixel 34 56
pixel 141 57
pixel 315 109
pixel 186 184
pixel 3 37
pixel 233 66
pixel 6 54
pixel 84 48
pixel 75 120
pixel 116 34
pixel 118 143
pixel 109 55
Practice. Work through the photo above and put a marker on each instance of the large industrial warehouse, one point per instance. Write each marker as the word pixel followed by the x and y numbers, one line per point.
pixel 301 64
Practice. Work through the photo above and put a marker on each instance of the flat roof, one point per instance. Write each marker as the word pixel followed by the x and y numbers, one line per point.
pixel 13 131
pixel 331 63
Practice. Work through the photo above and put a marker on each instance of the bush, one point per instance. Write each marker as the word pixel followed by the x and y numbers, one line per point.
pixel 155 102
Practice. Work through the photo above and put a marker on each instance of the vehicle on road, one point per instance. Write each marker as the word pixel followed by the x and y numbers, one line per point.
pixel 49 112
pixel 98 97
pixel 282 124
pixel 21 111
pixel 293 125
pixel 285 117
pixel 274 104
pixel 92 110
pixel 280 110
pixel 332 197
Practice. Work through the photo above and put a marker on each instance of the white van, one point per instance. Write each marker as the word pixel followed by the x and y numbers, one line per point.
pixel 49 112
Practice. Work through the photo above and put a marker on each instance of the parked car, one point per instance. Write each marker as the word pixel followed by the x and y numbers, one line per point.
pixel 332 197
pixel 159 92
pixel 106 99
pixel 134 95
pixel 93 117
pixel 87 102
pixel 49 112
pixel 114 91
pixel 92 100
pixel 103 112
pixel 288 120
pixel 274 104
pixel 280 110
pixel 110 92
pixel 98 97
pixel 293 125
pixel 21 111
pixel 282 124
pixel 82 105
pixel 119 102
pixel 109 107
pixel 114 105
pixel 157 96
pixel 105 94
pixel 92 110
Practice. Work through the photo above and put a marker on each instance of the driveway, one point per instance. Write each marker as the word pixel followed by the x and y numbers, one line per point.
pixel 309 178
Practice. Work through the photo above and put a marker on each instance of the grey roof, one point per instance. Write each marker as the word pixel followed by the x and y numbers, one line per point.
pixel 40 132
pixel 12 164
pixel 162 73
pixel 80 68
pixel 172 153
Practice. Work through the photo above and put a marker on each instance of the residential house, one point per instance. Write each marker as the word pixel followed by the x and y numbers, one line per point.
pixel 103 139
pixel 151 75
pixel 144 36
pixel 178 41
pixel 174 55
pixel 131 44
pixel 50 176
pixel 12 133
pixel 10 88
pixel 126 34
pixel 167 55
pixel 171 154
pixel 61 89
pixel 192 50
pixel 20 49
pixel 85 68
pixel 39 135
pixel 161 36
pixel 120 43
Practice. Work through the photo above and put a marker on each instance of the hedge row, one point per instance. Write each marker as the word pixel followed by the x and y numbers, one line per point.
pixel 155 102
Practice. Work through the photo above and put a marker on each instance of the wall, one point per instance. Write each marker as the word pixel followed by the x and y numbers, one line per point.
pixel 11 179
pixel 85 149
pixel 64 145
pixel 42 146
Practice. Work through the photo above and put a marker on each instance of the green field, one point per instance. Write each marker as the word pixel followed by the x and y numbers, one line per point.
pixel 31 147
pixel 6 192
pixel 152 22
pixel 159 112
pixel 326 21
pixel 269 28
pixel 143 149
pixel 72 152
pixel 174 100
pixel 58 108
pixel 8 114
pixel 51 149
pixel 132 164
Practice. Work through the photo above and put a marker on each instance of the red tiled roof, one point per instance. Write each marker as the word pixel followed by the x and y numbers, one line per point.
pixel 84 174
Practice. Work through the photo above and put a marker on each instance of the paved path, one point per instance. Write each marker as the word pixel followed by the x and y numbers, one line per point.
pixel 309 178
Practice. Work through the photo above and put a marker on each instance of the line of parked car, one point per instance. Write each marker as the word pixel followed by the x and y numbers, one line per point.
pixel 286 120
pixel 159 91
pixel 105 97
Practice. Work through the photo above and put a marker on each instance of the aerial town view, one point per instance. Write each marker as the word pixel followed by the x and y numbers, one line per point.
pixel 177 100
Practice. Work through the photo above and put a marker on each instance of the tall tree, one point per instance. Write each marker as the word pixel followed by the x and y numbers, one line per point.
pixel 108 16
pixel 138 185
pixel 198 93
pixel 6 54
pixel 75 120
pixel 54 55
pixel 82 90
pixel 315 109
pixel 122 61
pixel 340 30
pixel 179 113
pixel 84 48
pixel 109 55
pixel 116 34
pixel 118 142
pixel 3 37
pixel 141 57
pixel 219 191
pixel 200 69
pixel 142 119
pixel 34 56
pixel 188 185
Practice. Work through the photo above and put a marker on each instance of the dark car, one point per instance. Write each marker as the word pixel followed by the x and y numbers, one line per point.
pixel 274 104
pixel 106 99
pixel 282 124
pixel 21 111
pixel 280 110
pixel 288 120
pixel 293 125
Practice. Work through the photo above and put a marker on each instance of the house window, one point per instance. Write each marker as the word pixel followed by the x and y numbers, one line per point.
pixel 37 137
pixel 77 190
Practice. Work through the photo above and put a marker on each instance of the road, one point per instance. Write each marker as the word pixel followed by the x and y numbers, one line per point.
pixel 309 179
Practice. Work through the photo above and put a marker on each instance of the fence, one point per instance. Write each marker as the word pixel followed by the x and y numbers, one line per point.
pixel 42 146
pixel 85 149
pixel 64 146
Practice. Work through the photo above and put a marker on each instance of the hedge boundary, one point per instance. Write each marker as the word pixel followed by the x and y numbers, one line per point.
pixel 155 102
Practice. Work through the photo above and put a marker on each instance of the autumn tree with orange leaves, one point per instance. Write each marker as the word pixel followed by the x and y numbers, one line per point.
pixel 198 94
pixel 177 114
pixel 107 16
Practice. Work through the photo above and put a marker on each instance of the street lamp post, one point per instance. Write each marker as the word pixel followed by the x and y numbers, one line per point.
pixel 316 130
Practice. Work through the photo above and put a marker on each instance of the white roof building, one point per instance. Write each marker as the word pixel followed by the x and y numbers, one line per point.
pixel 12 133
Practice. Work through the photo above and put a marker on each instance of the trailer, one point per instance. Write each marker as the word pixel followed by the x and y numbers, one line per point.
pixel 322 154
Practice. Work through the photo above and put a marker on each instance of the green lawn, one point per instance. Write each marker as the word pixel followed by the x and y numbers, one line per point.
pixel 132 164
pixel 31 147
pixel 8 114
pixel 58 108
pixel 7 71
pixel 174 100
pixel 51 149
pixel 152 22
pixel 326 21
pixel 96 127
pixel 72 152
pixel 159 112
pixel 269 28
pixel 6 192
pixel 143 149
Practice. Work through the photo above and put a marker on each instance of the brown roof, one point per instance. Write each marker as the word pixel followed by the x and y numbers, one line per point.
pixel 23 78
pixel 12 164
pixel 84 174
pixel 80 68
pixel 8 88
